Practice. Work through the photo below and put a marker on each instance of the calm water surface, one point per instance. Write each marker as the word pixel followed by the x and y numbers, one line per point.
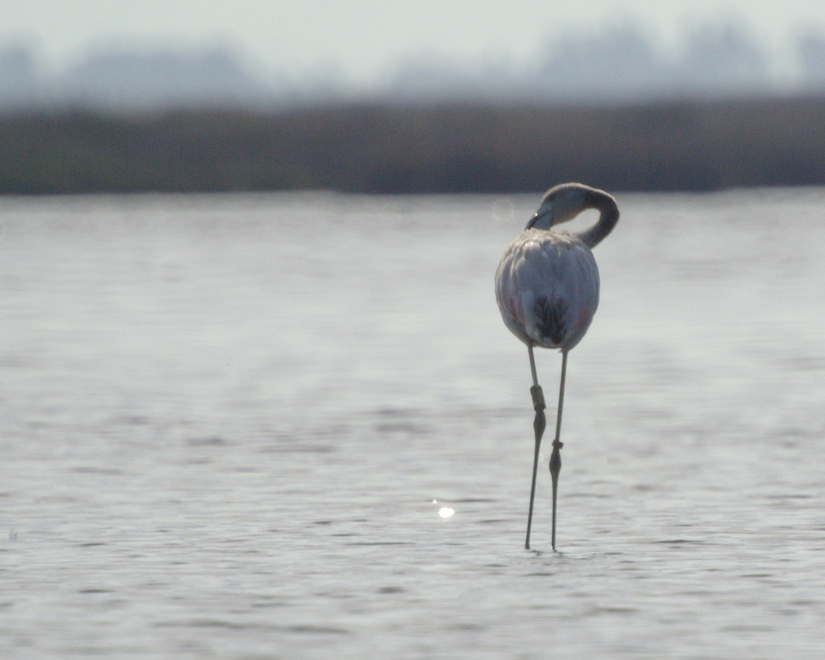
pixel 228 424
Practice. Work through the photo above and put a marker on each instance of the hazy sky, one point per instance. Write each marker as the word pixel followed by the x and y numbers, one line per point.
pixel 364 38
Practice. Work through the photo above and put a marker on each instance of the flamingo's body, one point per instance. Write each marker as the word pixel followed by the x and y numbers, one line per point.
pixel 547 289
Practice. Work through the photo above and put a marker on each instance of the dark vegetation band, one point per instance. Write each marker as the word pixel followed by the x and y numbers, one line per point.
pixel 462 148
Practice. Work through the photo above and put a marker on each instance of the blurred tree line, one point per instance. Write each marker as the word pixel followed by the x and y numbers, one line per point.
pixel 379 148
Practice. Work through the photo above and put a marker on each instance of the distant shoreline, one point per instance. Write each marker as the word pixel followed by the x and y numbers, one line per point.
pixel 685 145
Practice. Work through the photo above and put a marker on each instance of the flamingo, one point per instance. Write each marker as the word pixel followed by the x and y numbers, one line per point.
pixel 547 289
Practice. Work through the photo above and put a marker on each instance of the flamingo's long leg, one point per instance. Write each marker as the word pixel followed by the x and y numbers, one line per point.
pixel 555 457
pixel 538 425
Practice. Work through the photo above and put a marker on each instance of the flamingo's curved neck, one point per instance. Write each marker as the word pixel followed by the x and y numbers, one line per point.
pixel 608 217
pixel 566 201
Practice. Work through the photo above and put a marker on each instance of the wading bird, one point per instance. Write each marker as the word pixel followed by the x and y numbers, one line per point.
pixel 547 288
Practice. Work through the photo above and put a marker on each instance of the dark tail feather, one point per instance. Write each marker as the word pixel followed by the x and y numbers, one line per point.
pixel 550 319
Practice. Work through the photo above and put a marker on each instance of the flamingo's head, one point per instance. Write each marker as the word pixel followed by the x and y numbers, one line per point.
pixel 563 203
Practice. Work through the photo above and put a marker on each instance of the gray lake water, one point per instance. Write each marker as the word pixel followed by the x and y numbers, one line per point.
pixel 229 425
